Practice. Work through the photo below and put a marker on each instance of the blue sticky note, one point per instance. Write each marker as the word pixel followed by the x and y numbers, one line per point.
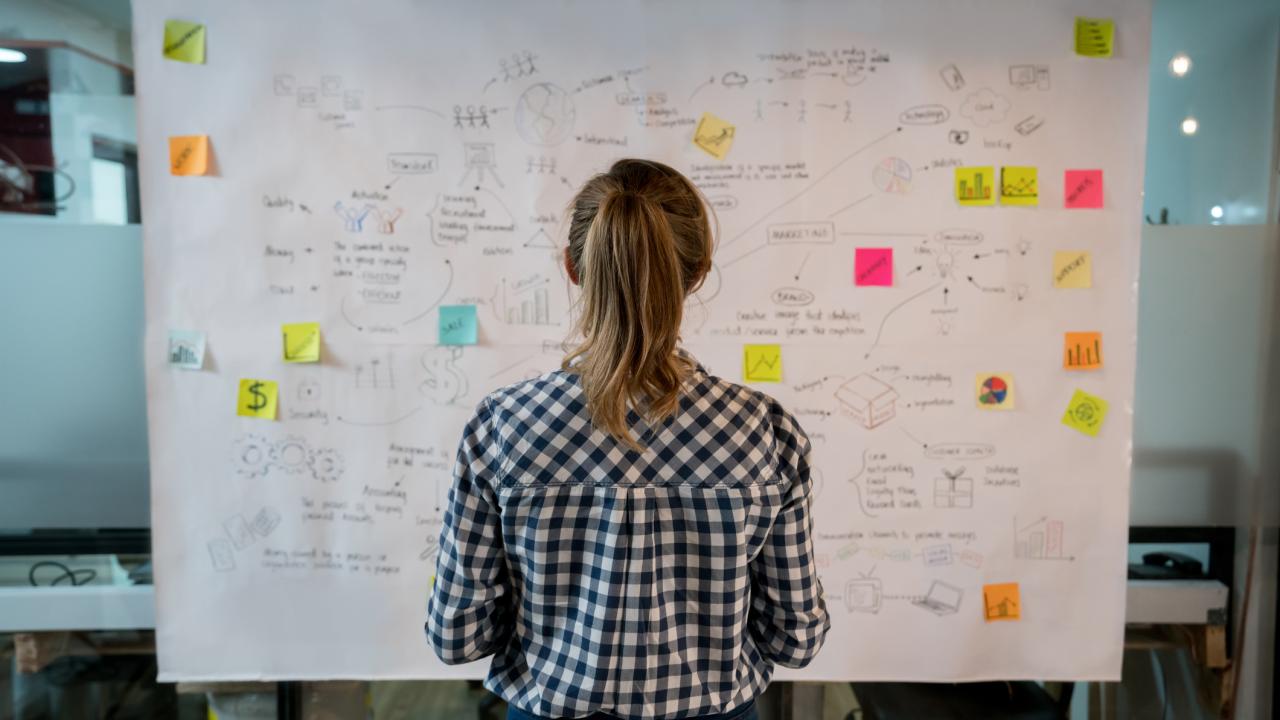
pixel 457 324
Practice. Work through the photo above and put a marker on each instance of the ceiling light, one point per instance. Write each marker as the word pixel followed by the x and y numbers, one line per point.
pixel 1190 126
pixel 1216 212
pixel 1180 65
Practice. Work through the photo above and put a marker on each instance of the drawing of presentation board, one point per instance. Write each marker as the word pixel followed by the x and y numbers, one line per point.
pixel 367 167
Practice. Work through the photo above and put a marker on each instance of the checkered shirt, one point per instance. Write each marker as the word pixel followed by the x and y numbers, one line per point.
pixel 656 584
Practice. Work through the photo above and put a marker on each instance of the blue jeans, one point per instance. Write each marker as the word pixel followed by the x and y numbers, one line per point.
pixel 742 712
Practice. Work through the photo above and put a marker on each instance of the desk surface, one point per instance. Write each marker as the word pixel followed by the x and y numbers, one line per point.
pixel 110 607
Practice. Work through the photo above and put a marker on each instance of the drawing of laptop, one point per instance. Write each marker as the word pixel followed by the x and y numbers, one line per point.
pixel 943 599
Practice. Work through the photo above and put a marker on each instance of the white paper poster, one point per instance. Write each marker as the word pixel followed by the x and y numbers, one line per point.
pixel 928 243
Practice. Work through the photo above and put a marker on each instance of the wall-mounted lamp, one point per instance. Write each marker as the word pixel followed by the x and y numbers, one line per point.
pixel 9 55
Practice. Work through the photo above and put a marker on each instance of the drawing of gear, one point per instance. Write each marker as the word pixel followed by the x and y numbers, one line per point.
pixel 252 456
pixel 326 465
pixel 290 455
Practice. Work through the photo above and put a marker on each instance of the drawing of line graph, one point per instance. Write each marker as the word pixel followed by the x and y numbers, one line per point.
pixel 1026 187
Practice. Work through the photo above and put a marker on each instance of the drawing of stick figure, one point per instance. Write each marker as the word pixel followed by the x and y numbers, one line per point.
pixel 506 72
pixel 848 111
pixel 387 220
pixel 471 116
pixel 802 110
pixel 528 56
pixel 352 217
pixel 484 116
pixel 457 116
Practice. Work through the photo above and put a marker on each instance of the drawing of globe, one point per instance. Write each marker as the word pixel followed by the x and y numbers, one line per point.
pixel 544 115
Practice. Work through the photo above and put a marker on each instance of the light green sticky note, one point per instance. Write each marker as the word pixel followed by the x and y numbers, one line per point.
pixel 1095 37
pixel 184 41
pixel 458 325
pixel 1085 413
pixel 762 363
pixel 301 342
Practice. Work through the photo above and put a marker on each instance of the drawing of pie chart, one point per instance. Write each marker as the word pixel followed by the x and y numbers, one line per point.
pixel 994 391
pixel 892 175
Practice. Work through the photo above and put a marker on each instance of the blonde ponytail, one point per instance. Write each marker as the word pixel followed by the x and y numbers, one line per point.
pixel 639 242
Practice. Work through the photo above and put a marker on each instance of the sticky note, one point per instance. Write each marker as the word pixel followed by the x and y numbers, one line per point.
pixel 257 398
pixel 1001 601
pixel 1018 186
pixel 1082 189
pixel 1085 413
pixel 1095 37
pixel 1082 351
pixel 994 391
pixel 714 136
pixel 975 186
pixel 188 154
pixel 184 41
pixel 457 325
pixel 186 349
pixel 762 363
pixel 1072 269
pixel 872 267
pixel 301 342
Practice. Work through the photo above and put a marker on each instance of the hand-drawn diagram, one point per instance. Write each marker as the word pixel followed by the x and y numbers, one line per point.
pixel 1042 539
pixel 480 164
pixel 953 491
pixel 892 175
pixel 868 400
pixel 942 599
pixel 985 108
pixel 544 115
pixel 256 457
pixel 446 381
pixel 863 595
pixel 376 373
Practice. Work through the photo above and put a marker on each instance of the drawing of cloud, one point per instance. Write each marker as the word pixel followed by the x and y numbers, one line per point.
pixel 734 79
pixel 984 107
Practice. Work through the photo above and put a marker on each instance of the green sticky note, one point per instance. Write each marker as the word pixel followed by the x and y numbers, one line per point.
pixel 301 342
pixel 458 325
pixel 184 41
pixel 762 363
pixel 1095 37
pixel 1085 413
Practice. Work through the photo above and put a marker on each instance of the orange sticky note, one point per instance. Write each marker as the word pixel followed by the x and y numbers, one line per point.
pixel 189 154
pixel 1001 602
pixel 1082 351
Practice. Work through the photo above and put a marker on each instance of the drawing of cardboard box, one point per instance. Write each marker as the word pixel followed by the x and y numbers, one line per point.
pixel 871 401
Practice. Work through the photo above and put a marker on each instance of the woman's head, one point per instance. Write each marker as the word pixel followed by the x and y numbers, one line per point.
pixel 639 243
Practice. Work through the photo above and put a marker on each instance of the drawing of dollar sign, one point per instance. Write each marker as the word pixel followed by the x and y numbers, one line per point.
pixel 259 398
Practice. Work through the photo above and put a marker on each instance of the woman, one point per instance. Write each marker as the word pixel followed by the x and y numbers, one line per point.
pixel 630 536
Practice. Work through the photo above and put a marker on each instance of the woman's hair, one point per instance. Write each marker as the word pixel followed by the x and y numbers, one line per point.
pixel 640 242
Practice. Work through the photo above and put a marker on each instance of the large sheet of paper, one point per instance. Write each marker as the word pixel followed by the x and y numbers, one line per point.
pixel 928 242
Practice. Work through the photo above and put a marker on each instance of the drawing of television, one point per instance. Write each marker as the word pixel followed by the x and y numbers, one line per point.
pixel 863 595
pixel 871 401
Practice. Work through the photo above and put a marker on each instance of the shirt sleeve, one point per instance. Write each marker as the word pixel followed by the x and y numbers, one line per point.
pixel 469 614
pixel 788 617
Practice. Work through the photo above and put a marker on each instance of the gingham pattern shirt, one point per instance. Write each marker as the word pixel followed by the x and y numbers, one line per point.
pixel 655 584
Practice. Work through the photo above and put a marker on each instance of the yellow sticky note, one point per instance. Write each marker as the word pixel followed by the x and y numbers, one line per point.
pixel 301 342
pixel 1072 269
pixel 1001 601
pixel 1085 413
pixel 714 136
pixel 1095 37
pixel 975 185
pixel 184 41
pixel 189 154
pixel 1082 351
pixel 994 391
pixel 1018 186
pixel 762 363
pixel 257 398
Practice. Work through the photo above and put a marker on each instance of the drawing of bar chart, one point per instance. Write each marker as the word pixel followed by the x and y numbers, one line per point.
pixel 529 305
pixel 1041 540
pixel 977 190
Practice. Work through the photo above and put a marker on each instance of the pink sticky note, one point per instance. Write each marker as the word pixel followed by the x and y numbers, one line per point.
pixel 1083 189
pixel 873 266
